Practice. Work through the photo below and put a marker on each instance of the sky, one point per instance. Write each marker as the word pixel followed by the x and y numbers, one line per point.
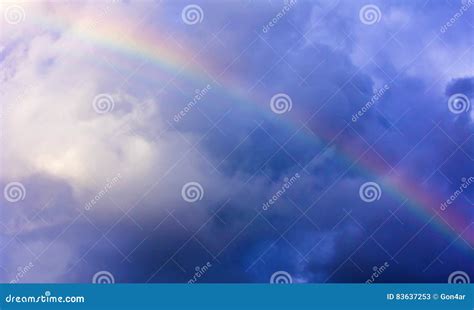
pixel 237 141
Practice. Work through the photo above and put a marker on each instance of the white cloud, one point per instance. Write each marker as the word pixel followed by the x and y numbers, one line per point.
pixel 50 125
pixel 50 128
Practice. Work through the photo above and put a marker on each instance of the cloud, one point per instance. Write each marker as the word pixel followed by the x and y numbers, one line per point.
pixel 68 151
pixel 55 134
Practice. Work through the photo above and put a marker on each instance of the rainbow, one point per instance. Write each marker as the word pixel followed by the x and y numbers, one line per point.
pixel 113 34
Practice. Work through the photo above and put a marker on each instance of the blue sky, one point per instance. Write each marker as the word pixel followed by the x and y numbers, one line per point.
pixel 266 93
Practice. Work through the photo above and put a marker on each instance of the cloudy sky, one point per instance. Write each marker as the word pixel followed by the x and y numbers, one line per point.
pixel 237 141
